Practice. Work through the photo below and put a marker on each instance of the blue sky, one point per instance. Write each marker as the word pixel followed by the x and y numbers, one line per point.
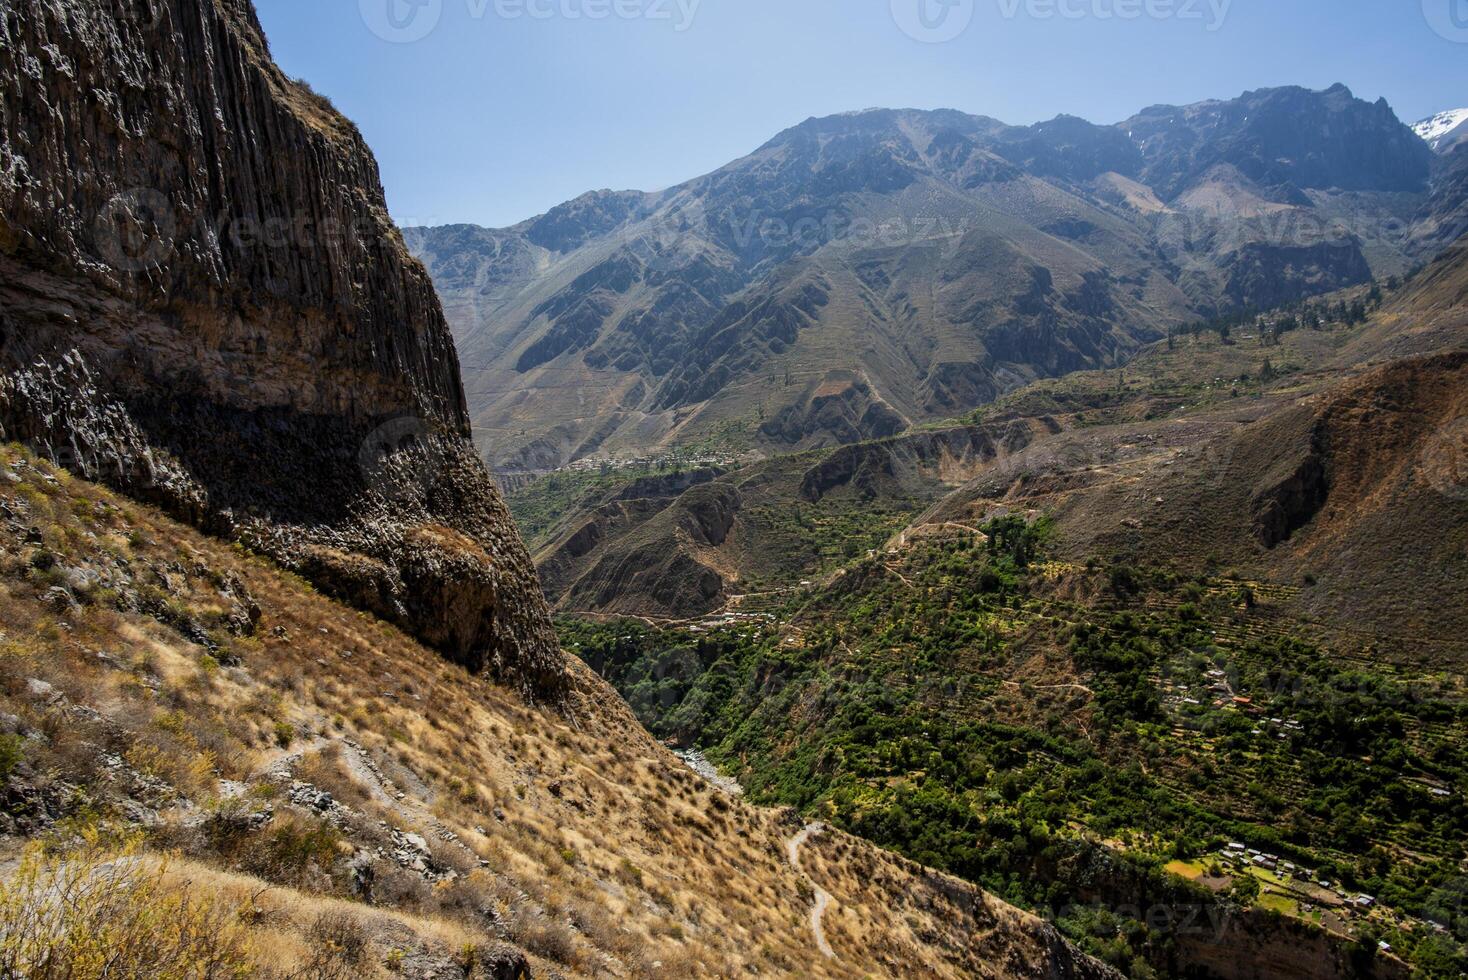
pixel 504 108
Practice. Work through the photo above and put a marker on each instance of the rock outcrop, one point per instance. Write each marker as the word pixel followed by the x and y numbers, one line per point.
pixel 204 302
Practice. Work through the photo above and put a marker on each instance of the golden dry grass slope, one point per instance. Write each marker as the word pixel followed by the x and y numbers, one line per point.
pixel 343 802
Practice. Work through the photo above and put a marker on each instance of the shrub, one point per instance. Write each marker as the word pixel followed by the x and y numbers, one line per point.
pixel 292 850
pixel 339 948
pixel 12 750
pixel 549 938
pixel 96 912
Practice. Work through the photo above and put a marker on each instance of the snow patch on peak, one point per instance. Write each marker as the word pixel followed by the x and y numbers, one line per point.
pixel 1438 128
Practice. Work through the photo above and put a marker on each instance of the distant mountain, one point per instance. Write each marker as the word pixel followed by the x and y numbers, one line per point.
pixel 865 272
pixel 1445 130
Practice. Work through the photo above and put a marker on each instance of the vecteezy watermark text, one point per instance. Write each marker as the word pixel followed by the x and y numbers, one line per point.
pixel 1210 13
pixel 1449 18
pixel 407 21
pixel 936 21
pixel 745 230
pixel 139 230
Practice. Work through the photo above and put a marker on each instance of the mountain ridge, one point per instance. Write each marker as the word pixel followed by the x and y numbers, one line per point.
pixel 944 258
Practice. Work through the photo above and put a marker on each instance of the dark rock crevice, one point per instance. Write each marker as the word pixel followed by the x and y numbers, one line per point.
pixel 1288 504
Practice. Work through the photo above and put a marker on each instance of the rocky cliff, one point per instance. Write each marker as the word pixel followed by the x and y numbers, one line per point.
pixel 204 302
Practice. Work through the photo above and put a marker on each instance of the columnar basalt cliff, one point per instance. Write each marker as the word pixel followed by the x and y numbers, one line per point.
pixel 204 302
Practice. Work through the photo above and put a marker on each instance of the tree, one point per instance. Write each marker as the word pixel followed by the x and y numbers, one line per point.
pixel 1014 537
pixel 1245 891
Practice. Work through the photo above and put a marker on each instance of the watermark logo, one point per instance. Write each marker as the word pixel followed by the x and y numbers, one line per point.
pixel 1210 13
pixel 1444 460
pixel 401 21
pixel 139 230
pixel 933 21
pixel 1195 241
pixel 135 230
pixel 679 13
pixel 808 232
pixel 1449 18
pixel 407 21
pixel 403 455
pixel 937 21
pixel 685 218
pixel 146 16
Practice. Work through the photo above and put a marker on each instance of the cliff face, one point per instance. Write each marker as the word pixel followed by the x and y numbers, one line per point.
pixel 204 302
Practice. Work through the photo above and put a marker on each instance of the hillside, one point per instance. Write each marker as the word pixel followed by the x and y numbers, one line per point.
pixel 1101 634
pixel 861 274
pixel 334 799
pixel 1186 457
pixel 279 694
pixel 1092 740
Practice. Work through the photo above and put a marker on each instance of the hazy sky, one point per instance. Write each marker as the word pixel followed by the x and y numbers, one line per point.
pixel 491 111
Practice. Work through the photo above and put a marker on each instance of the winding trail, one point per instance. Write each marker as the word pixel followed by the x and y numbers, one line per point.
pixel 823 898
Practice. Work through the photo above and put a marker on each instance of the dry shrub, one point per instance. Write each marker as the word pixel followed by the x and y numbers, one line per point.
pixel 606 933
pixel 339 948
pixel 291 850
pixel 545 937
pixel 402 889
pixel 96 912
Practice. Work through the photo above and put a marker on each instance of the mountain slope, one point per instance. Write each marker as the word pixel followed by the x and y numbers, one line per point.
pixel 1190 457
pixel 1205 605
pixel 1444 131
pixel 865 272
pixel 204 303
pixel 358 807
pixel 209 769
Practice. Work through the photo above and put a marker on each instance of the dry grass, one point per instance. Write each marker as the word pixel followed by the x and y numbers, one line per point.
pixel 93 912
pixel 572 835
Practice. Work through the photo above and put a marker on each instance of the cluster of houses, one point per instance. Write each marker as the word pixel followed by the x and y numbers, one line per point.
pixel 1220 694
pixel 1241 856
pixel 664 461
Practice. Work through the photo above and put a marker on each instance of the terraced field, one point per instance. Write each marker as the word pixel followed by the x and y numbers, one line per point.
pixel 979 713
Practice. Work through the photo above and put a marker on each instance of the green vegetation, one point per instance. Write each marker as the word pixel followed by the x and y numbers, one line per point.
pixel 541 504
pixel 801 540
pixel 956 705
